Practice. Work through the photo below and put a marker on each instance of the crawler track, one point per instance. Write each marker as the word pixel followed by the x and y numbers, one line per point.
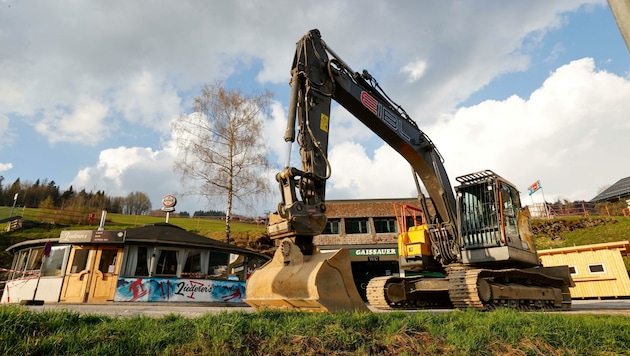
pixel 375 292
pixel 422 298
pixel 470 288
pixel 465 291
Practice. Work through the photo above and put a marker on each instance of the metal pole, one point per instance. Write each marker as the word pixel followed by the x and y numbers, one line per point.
pixel 545 202
pixel 41 269
pixel 14 201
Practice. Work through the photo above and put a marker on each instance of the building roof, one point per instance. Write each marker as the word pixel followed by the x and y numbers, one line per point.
pixel 158 234
pixel 167 234
pixel 619 190
pixel 622 246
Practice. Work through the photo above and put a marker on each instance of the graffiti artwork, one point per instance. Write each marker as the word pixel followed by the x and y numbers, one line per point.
pixel 178 290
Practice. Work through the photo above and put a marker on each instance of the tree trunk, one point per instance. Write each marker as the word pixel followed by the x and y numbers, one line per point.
pixel 228 217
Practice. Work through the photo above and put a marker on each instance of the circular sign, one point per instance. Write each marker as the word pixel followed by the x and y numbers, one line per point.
pixel 169 201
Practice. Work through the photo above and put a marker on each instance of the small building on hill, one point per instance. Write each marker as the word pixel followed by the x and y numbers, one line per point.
pixel 619 191
pixel 597 270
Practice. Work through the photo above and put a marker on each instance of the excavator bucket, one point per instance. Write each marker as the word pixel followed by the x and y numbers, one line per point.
pixel 321 282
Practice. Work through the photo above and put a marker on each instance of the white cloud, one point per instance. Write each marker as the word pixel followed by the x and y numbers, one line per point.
pixel 148 100
pixel 143 66
pixel 5 166
pixel 415 70
pixel 123 170
pixel 570 133
pixel 4 130
pixel 85 124
pixel 355 175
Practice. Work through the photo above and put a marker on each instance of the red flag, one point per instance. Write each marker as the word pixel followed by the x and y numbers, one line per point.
pixel 534 187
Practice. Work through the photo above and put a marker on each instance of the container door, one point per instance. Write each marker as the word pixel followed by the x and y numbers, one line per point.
pixel 105 276
pixel 76 281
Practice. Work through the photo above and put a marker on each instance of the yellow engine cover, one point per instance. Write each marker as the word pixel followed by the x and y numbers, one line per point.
pixel 415 242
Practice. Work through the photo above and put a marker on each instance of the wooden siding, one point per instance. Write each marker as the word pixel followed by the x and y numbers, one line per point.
pixel 599 268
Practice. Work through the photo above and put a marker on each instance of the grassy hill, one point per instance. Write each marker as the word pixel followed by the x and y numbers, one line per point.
pixel 548 233
pixel 578 231
pixel 243 234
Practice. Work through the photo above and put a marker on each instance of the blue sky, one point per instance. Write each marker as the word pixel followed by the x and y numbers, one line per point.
pixel 530 89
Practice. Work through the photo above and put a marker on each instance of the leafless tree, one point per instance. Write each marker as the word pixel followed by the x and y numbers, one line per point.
pixel 137 203
pixel 222 150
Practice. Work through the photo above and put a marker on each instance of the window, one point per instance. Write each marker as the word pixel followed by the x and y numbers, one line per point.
pixel 333 227
pixel 192 268
pixel 385 225
pixel 19 264
pixel 573 270
pixel 79 262
pixel 53 265
pixel 108 261
pixel 511 207
pixel 357 226
pixel 143 263
pixel 167 263
pixel 35 259
pixel 218 265
pixel 597 268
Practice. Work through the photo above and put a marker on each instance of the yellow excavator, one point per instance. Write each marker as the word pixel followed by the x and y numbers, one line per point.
pixel 475 250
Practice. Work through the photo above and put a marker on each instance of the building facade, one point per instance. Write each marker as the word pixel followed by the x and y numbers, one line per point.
pixel 369 230
pixel 597 270
pixel 153 263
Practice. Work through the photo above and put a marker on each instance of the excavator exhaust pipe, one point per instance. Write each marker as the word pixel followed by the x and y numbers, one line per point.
pixel 321 282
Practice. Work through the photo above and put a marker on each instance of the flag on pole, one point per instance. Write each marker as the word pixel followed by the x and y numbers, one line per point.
pixel 534 187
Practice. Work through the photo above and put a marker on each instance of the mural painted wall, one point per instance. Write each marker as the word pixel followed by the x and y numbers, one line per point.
pixel 178 290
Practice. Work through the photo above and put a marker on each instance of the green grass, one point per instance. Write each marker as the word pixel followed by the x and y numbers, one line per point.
pixel 298 333
pixel 615 228
pixel 611 229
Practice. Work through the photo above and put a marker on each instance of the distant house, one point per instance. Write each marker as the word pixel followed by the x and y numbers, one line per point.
pixel 597 270
pixel 616 192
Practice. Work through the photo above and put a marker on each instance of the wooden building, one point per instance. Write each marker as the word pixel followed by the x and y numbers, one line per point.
pixel 597 270
pixel 153 263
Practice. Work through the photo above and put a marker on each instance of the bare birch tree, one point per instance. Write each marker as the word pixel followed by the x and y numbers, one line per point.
pixel 222 150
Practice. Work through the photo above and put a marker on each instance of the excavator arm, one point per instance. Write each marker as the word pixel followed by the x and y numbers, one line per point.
pixel 318 77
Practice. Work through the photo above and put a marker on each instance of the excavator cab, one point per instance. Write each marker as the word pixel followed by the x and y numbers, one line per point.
pixel 494 229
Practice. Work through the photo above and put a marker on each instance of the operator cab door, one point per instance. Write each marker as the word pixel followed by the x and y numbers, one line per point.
pixel 92 274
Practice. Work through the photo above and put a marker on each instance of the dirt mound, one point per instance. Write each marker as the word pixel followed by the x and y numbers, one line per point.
pixel 553 228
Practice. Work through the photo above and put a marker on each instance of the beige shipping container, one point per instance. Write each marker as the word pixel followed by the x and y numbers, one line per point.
pixel 597 270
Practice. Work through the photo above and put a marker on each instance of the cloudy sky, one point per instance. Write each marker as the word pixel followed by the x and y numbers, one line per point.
pixel 534 90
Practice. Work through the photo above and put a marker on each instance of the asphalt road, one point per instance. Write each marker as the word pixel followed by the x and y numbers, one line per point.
pixel 613 306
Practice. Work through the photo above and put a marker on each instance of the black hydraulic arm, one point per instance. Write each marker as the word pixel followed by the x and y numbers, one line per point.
pixel 316 79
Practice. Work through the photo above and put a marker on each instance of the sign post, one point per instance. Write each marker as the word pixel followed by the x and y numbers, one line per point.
pixel 168 204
